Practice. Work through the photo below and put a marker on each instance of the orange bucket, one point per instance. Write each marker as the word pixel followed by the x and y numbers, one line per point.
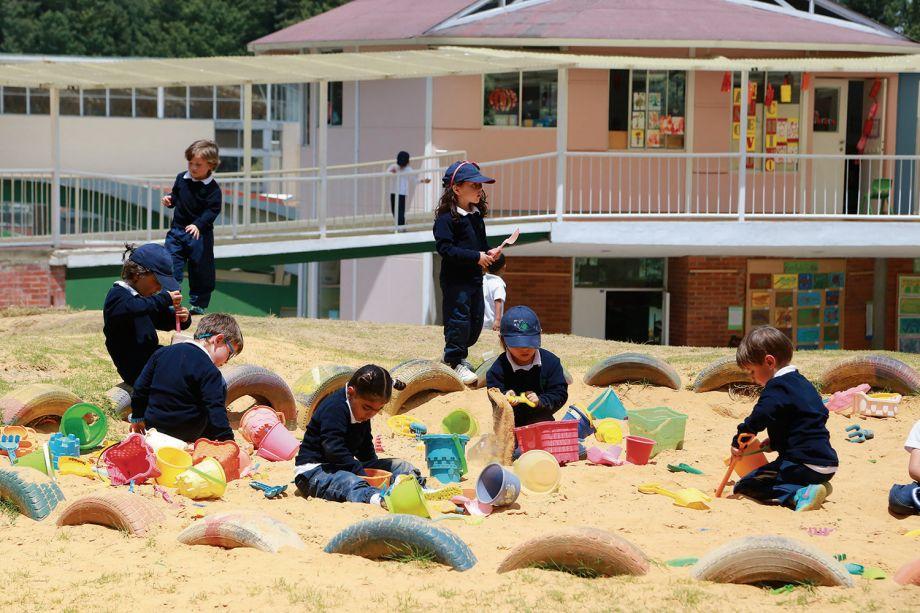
pixel 748 463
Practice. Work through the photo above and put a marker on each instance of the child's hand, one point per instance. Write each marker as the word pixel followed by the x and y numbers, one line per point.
pixel 139 427
pixel 182 313
pixel 497 326
pixel 533 398
pixel 494 252
pixel 193 230
pixel 167 201
pixel 485 259
pixel 176 298
pixel 425 181
pixel 512 398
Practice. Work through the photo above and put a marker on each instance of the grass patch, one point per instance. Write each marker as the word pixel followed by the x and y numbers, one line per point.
pixel 410 554
pixel 582 570
pixel 8 510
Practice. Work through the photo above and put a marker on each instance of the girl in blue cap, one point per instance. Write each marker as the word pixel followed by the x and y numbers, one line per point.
pixel 460 239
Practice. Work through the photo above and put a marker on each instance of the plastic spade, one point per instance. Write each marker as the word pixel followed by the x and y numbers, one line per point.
pixel 507 242
pixel 10 443
pixel 270 491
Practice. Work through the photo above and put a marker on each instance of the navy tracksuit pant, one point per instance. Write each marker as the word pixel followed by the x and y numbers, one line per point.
pixel 462 311
pixel 200 257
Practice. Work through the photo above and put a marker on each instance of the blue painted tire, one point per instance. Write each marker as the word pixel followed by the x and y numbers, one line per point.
pixel 34 494
pixel 385 537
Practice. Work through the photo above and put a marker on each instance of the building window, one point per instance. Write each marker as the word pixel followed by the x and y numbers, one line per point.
pixel 773 123
pixel 334 112
pixel 259 96
pixel 228 102
pixel 174 103
pixel 121 103
pixel 525 99
pixel 39 101
pixel 201 102
pixel 145 102
pixel 94 104
pixel 657 109
pixel 619 272
pixel 70 102
pixel 14 100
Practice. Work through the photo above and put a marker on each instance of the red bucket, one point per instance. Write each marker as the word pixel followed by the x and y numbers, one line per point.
pixel 638 449
pixel 559 438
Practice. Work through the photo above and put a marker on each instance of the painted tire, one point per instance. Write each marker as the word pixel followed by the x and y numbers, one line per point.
pixel 879 371
pixel 724 371
pixel 241 529
pixel 264 386
pixel 120 398
pixel 34 494
pixel 36 404
pixel 632 367
pixel 315 385
pixel 384 537
pixel 483 370
pixel 421 376
pixel 120 510
pixel 502 424
pixel 577 550
pixel 772 559
pixel 909 574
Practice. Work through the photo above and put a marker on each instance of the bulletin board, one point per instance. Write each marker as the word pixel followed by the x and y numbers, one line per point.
pixel 803 298
pixel 909 313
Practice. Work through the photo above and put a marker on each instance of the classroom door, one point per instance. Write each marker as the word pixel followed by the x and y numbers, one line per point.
pixel 634 316
pixel 829 125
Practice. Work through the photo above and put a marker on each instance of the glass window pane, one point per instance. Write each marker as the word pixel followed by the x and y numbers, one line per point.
pixel 174 102
pixel 94 103
pixel 618 106
pixel 638 115
pixel 336 94
pixel 673 122
pixel 120 103
pixel 201 102
pixel 145 102
pixel 827 105
pixel 14 100
pixel 70 102
pixel 655 100
pixel 501 107
pixel 230 163
pixel 227 139
pixel 258 102
pixel 228 102
pixel 619 272
pixel 538 93
pixel 39 102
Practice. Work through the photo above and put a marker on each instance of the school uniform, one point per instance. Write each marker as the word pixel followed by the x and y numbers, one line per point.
pixel 335 451
pixel 544 377
pixel 182 393
pixel 905 499
pixel 130 324
pixel 199 203
pixel 493 288
pixel 791 411
pixel 459 241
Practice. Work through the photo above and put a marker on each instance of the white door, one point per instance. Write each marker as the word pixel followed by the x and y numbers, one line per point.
pixel 829 130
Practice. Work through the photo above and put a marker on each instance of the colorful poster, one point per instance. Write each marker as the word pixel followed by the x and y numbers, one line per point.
pixel 909 326
pixel 808 335
pixel 653 139
pixel 793 130
pixel 785 281
pixel 639 101
pixel 910 306
pixel 909 285
pixel 811 299
pixel 760 317
pixel 831 316
pixel 637 139
pixel 808 317
pixel 678 125
pixel 654 101
pixel 760 281
pixel 638 121
pixel 654 120
pixel 784 299
pixel 736 130
pixel 832 334
pixel 760 300
pixel 799 266
pixel 835 279
pixel 832 297
pixel 782 318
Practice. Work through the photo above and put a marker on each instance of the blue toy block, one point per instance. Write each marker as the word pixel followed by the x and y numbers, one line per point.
pixel 60 446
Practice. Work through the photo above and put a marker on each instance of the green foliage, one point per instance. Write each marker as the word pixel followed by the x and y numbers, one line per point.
pixel 900 15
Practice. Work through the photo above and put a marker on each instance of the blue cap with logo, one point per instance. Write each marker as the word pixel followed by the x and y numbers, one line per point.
pixel 157 260
pixel 462 171
pixel 520 327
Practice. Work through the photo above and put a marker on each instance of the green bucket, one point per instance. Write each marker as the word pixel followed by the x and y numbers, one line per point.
pixel 74 422
pixel 460 421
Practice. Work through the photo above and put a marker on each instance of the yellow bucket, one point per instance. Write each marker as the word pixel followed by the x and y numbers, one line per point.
pixel 172 462
pixel 204 480
pixel 608 430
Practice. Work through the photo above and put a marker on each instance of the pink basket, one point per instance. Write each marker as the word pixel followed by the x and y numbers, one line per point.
pixel 559 438
pixel 130 460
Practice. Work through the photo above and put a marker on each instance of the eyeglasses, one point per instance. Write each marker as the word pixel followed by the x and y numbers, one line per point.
pixel 229 346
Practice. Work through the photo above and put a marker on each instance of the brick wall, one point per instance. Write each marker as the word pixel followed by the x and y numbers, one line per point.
pixel 545 285
pixel 27 279
pixel 858 291
pixel 901 266
pixel 702 289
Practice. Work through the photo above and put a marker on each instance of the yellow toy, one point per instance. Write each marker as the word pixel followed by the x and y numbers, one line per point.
pixel 76 466
pixel 523 400
pixel 402 425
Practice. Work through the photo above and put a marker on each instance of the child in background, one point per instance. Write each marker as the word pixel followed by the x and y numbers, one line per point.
pixel 791 411
pixel 399 191
pixel 460 239
pixel 905 499
pixel 493 292
pixel 197 201
pixel 525 368
pixel 181 392
pixel 145 300
pixel 337 445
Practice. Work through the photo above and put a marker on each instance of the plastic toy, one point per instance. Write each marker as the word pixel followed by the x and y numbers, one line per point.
pixel 690 497
pixel 610 457
pixel 607 406
pixel 446 456
pixel 205 480
pixel 522 399
pixel 858 434
pixel 130 460
pixel 585 427
pixel 497 486
pixel 639 449
pixel 172 462
pixel 538 471
pixel 76 466
pixel 270 491
pixel 28 441
pixel 608 431
pixel 842 402
pixel 460 421
pixel 225 452
pixel 744 440
pixel 682 562
pixel 158 440
pixel 751 459
pixel 257 421
pixel 278 444
pixel 376 477
pixel 684 468
pixel 403 425
pixel 61 446
pixel 87 422
pixel 406 497
pixel 10 443
pixel 663 425
pixel 560 438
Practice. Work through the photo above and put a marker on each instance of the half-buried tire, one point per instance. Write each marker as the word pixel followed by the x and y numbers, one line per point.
pixel 632 367
pixel 582 551
pixel 129 513
pixel 724 371
pixel 909 574
pixel 315 385
pixel 879 371
pixel 233 529
pixel 402 535
pixel 33 493
pixel 483 370
pixel 264 386
pixel 770 560
pixel 36 404
pixel 120 399
pixel 421 376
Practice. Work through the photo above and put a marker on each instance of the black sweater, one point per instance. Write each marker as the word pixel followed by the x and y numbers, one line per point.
pixel 331 438
pixel 791 410
pixel 459 242
pixel 181 392
pixel 195 202
pixel 547 381
pixel 130 325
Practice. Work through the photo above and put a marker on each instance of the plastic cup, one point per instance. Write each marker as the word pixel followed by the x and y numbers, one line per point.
pixel 279 444
pixel 460 422
pixel 376 477
pixel 406 497
pixel 498 486
pixel 638 449
pixel 538 471
pixel 172 462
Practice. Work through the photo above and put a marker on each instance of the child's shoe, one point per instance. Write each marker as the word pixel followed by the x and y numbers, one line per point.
pixel 467 376
pixel 196 310
pixel 810 498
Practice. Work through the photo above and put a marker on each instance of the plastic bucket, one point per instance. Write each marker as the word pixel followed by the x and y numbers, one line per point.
pixel 497 486
pixel 607 405
pixel 406 497
pixel 377 477
pixel 538 471
pixel 747 463
pixel 638 449
pixel 446 456
pixel 609 431
pixel 257 422
pixel 74 422
pixel 36 460
pixel 158 440
pixel 585 428
pixel 279 444
pixel 172 462
pixel 204 480
pixel 460 422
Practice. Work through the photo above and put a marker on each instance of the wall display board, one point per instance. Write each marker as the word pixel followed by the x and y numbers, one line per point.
pixel 909 313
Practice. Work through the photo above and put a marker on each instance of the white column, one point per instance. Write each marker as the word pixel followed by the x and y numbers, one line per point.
pixel 430 196
pixel 313 290
pixel 302 289
pixel 247 153
pixel 322 146
pixel 55 102
pixel 742 147
pixel 562 139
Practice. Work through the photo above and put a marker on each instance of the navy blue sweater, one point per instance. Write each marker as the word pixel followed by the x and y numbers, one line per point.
pixel 459 242
pixel 182 393
pixel 195 202
pixel 331 438
pixel 791 411
pixel 130 325
pixel 547 381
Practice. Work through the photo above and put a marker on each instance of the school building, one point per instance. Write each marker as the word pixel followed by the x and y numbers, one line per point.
pixel 722 164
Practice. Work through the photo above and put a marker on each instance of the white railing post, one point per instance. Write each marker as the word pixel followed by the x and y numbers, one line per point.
pixel 55 111
pixel 322 143
pixel 742 147
pixel 562 139
pixel 149 211
pixel 247 153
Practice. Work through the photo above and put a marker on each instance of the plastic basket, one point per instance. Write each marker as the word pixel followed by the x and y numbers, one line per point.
pixel 559 438
pixel 665 426
pixel 876 405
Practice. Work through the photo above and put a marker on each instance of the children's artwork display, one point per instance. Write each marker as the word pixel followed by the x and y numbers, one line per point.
pixel 803 299
pixel 909 313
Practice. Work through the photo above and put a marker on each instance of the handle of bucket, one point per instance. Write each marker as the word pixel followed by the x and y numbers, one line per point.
pixel 460 454
pixel 206 476
pixel 660 426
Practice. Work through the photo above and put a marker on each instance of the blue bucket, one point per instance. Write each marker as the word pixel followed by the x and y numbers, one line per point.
pixel 585 429
pixel 497 486
pixel 446 456
pixel 607 405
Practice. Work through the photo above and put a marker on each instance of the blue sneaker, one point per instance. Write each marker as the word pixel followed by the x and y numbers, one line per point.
pixel 196 310
pixel 810 498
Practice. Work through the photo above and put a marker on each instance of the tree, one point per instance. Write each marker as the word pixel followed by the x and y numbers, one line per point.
pixel 902 16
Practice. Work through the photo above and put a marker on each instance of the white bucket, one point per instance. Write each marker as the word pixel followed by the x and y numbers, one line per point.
pixel 157 440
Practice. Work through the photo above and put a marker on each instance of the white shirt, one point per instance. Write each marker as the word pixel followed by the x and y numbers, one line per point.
pixel 493 288
pixel 299 470
pixel 913 439
pixel 463 212
pixel 824 470
pixel 400 184
pixel 206 180
pixel 785 370
pixel 127 287
pixel 537 361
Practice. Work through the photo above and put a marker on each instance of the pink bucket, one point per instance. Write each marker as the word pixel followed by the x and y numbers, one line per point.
pixel 257 421
pixel 278 445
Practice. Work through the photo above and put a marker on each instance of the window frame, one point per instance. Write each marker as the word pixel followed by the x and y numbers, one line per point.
pixel 664 104
pixel 520 105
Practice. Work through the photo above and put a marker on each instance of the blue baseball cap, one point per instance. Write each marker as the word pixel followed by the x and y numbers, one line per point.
pixel 157 260
pixel 462 171
pixel 520 327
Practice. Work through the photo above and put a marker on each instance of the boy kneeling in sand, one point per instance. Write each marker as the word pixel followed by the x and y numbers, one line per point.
pixel 791 411
pixel 905 499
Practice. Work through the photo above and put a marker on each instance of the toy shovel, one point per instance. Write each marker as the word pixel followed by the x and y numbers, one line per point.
pixel 507 242
pixel 691 498
pixel 270 491
pixel 10 443
pixel 743 441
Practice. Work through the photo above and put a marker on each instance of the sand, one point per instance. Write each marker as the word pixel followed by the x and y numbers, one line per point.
pixel 92 567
